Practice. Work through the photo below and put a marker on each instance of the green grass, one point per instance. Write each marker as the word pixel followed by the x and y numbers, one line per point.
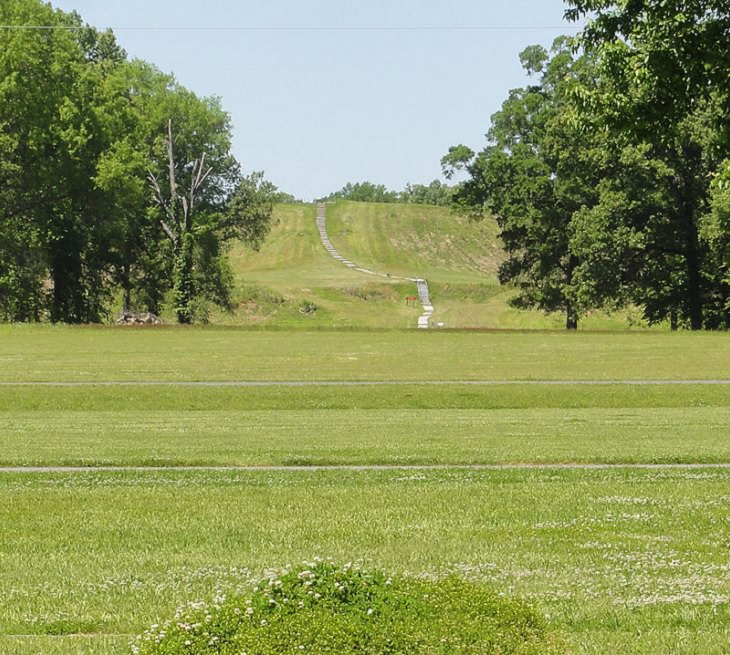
pixel 29 353
pixel 624 561
pixel 618 560
pixel 149 399
pixel 165 426
pixel 416 240
pixel 459 258
pixel 328 608
pixel 293 266
pixel 336 437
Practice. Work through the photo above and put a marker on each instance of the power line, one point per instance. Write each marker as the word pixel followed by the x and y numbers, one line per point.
pixel 374 28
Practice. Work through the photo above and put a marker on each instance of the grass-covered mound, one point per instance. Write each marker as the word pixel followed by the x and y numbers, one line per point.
pixel 322 608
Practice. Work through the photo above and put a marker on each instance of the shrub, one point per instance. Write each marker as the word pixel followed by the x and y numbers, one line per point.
pixel 324 609
pixel 307 307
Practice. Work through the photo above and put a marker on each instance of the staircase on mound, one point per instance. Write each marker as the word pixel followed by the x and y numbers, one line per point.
pixel 424 297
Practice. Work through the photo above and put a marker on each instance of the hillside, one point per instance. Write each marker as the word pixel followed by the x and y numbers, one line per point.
pixel 293 282
pixel 416 240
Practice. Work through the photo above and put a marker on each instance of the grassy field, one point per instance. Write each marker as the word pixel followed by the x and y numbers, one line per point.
pixel 32 354
pixel 619 560
pixel 416 240
pixel 332 426
pixel 293 268
pixel 459 258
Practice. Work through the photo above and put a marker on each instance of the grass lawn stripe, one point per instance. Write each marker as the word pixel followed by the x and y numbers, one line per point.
pixel 314 468
pixel 64 354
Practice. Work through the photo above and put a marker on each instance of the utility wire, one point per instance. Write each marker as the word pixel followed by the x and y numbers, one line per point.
pixel 376 28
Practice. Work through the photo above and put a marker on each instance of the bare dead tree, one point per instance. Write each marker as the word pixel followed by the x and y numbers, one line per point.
pixel 176 220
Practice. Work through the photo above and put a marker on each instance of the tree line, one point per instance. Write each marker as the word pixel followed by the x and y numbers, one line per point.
pixel 436 193
pixel 608 174
pixel 117 184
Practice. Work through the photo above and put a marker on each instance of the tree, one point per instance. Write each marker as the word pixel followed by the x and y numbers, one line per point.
pixel 537 171
pixel 22 268
pixel 173 179
pixel 715 232
pixel 178 209
pixel 364 192
pixel 661 58
pixel 52 143
pixel 665 93
pixel 249 210
pixel 436 193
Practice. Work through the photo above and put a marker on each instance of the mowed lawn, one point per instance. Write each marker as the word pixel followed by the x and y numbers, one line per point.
pixel 67 354
pixel 327 425
pixel 619 560
pixel 625 561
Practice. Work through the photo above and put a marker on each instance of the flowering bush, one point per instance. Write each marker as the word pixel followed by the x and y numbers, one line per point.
pixel 322 608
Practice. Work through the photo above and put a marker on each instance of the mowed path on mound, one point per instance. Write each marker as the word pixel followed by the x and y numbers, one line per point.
pixel 459 257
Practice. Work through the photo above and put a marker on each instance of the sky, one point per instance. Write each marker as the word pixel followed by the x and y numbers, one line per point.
pixel 319 98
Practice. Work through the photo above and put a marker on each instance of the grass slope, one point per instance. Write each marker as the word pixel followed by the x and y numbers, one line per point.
pixel 458 257
pixel 293 269
pixel 416 240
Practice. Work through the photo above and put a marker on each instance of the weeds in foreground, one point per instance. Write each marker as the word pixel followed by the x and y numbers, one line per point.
pixel 323 608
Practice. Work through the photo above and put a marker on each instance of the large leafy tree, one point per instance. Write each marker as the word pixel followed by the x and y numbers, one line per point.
pixel 39 76
pixel 54 137
pixel 663 99
pixel 536 172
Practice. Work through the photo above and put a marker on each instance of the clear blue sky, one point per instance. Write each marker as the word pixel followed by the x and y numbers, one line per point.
pixel 315 109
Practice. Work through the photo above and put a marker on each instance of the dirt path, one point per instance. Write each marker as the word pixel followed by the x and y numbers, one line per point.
pixel 424 295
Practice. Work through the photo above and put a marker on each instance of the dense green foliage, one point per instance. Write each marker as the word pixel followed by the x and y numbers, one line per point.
pixel 323 608
pixel 114 178
pixel 607 177
pixel 436 193
pixel 533 177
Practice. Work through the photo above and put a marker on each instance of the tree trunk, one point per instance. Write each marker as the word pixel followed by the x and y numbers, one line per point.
pixel 690 200
pixel 183 281
pixel 571 315
pixel 571 318
pixel 694 282
pixel 127 297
